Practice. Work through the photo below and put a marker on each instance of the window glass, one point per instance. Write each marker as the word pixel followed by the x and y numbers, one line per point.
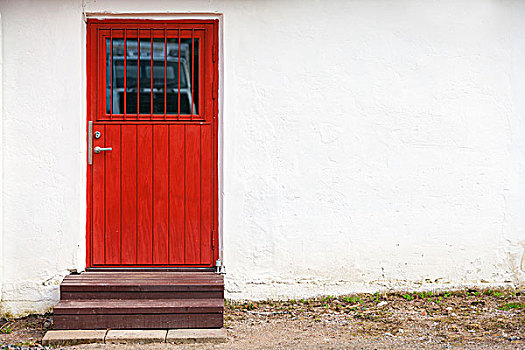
pixel 167 81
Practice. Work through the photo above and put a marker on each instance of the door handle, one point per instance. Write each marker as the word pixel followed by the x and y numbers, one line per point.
pixel 100 149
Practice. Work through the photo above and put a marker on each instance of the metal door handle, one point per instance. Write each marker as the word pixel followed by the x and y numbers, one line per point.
pixel 100 149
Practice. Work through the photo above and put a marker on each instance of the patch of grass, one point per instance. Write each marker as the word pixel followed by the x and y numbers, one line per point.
pixel 352 300
pixel 408 296
pixel 249 306
pixel 28 343
pixel 424 295
pixel 514 306
pixel 6 330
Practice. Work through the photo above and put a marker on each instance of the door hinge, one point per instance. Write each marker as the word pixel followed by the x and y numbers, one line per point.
pixel 212 240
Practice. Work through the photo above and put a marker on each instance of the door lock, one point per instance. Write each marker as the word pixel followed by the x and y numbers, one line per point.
pixel 96 149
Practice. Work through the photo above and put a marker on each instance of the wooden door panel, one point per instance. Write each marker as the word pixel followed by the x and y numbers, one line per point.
pixel 160 194
pixel 156 195
pixel 192 203
pixel 98 200
pixel 129 194
pixel 113 194
pixel 177 194
pixel 206 194
pixel 144 194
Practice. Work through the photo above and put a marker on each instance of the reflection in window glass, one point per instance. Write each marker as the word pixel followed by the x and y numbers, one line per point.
pixel 151 84
pixel 145 78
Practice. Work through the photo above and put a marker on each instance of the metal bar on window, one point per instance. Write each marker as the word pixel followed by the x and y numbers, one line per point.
pixel 192 67
pixel 125 74
pixel 165 72
pixel 111 68
pixel 178 89
pixel 151 76
pixel 138 72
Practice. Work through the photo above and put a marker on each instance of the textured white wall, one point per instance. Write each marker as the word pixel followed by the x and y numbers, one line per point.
pixel 365 144
pixel 43 150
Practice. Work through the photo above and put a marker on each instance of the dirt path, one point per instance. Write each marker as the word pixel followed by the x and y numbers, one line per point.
pixel 457 320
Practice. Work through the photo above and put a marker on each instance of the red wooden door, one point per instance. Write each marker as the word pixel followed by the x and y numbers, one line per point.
pixel 152 143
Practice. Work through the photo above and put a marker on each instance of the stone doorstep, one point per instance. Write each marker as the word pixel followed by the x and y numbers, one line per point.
pixel 134 336
pixel 190 336
pixel 73 337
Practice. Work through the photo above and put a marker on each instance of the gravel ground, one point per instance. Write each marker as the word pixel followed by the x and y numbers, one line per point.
pixel 468 319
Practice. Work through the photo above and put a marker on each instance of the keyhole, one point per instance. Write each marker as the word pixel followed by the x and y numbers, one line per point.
pixel 97 134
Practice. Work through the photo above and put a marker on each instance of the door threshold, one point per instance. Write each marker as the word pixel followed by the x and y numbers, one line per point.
pixel 151 269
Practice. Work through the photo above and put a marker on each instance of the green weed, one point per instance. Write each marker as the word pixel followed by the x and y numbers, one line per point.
pixel 6 330
pixel 352 300
pixel 408 296
pixel 514 306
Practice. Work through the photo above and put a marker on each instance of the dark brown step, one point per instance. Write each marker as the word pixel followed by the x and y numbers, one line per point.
pixel 142 285
pixel 140 300
pixel 139 306
pixel 144 277
pixel 137 287
pixel 142 321
pixel 79 295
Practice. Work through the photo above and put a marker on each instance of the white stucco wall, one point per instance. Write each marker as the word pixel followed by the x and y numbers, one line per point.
pixel 43 193
pixel 365 144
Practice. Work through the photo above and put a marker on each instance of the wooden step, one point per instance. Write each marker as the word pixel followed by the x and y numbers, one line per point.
pixel 98 295
pixel 134 306
pixel 140 300
pixel 142 285
pixel 139 314
pixel 136 321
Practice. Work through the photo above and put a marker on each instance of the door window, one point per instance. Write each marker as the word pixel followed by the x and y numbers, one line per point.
pixel 153 74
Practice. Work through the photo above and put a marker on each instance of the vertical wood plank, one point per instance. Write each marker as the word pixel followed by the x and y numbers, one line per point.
pixel 206 179
pixel 113 194
pixel 144 194
pixel 192 205
pixel 129 194
pixel 98 201
pixel 176 195
pixel 160 194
